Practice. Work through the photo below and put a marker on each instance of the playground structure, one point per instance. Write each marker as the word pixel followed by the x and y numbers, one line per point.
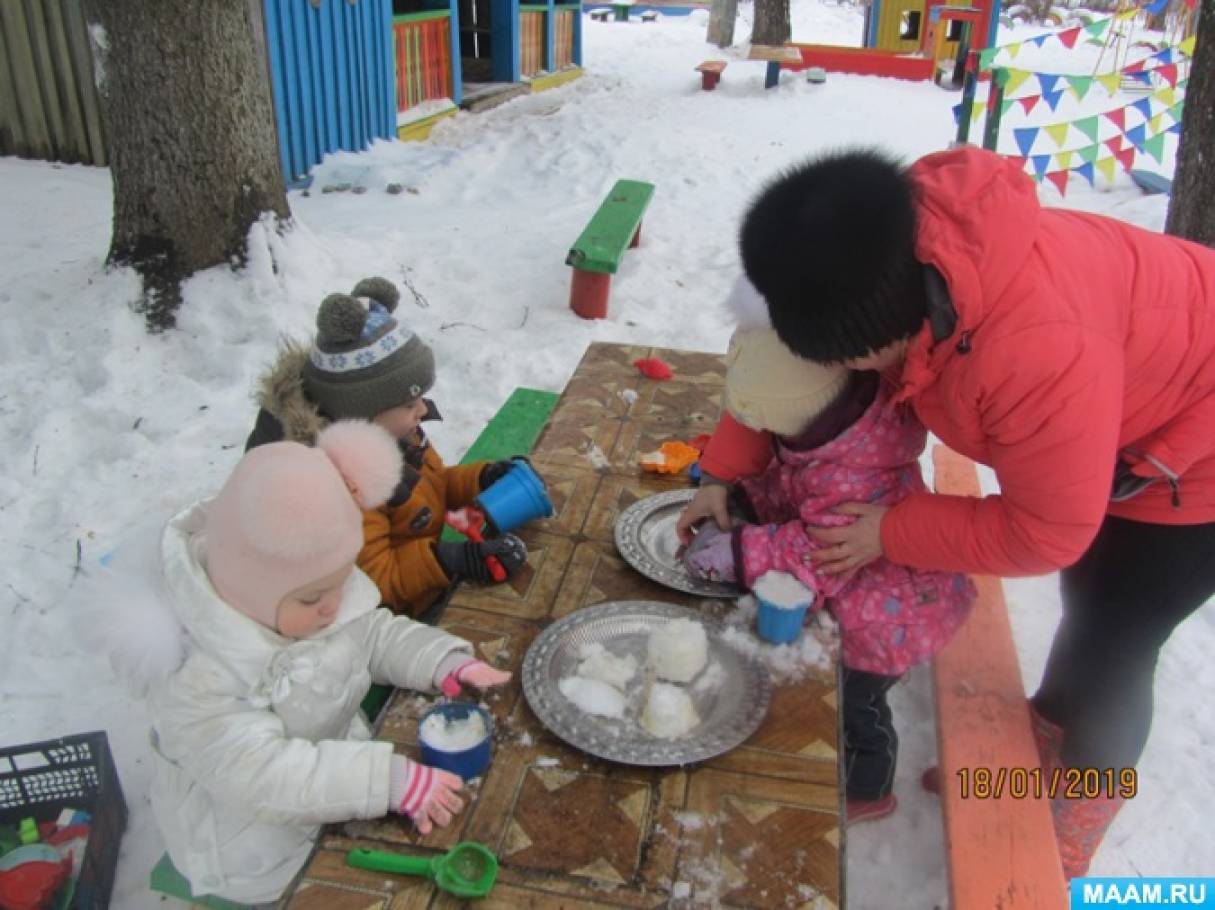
pixel 915 40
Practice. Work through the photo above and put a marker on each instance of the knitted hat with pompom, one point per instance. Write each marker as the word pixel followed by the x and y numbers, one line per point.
pixel 290 515
pixel 364 362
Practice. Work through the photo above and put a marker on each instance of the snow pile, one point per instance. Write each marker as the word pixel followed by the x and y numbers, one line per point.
pixel 593 696
pixel 782 590
pixel 810 654
pixel 453 734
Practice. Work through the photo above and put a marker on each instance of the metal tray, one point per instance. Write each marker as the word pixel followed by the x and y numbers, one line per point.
pixel 730 711
pixel 645 537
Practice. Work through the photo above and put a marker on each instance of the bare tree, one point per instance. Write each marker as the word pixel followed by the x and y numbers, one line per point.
pixel 1192 203
pixel 185 96
pixel 721 22
pixel 771 22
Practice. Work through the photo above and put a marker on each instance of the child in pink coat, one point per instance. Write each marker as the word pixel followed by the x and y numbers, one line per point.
pixel 836 439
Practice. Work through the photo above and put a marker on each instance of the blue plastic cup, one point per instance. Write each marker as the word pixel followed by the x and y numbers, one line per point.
pixel 469 762
pixel 779 625
pixel 517 498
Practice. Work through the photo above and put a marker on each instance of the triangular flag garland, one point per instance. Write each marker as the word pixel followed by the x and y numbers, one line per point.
pixel 1058 132
pixel 1053 99
pixel 1095 32
pixel 1154 146
pixel 1028 102
pixel 1025 137
pixel 1079 85
pixel 1088 126
pixel 1059 179
pixel 1040 166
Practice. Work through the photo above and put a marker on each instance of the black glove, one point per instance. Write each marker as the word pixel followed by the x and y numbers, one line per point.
pixel 495 471
pixel 465 559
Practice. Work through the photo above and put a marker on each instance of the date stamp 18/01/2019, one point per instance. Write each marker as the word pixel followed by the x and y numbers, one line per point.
pixel 1036 783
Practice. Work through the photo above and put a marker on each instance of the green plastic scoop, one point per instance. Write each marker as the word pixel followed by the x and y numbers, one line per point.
pixel 466 870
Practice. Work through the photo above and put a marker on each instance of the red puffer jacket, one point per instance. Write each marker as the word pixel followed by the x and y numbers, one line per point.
pixel 1079 338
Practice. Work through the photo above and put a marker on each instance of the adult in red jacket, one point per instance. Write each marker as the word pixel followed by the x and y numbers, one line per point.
pixel 1072 353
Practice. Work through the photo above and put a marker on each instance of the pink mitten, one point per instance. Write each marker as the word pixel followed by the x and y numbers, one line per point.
pixel 425 794
pixel 475 673
pixel 710 555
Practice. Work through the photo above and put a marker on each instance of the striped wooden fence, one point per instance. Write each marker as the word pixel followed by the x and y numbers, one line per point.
pixel 563 39
pixel 531 41
pixel 49 107
pixel 331 66
pixel 423 57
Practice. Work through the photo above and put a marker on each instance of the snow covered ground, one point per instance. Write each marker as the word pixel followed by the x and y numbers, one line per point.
pixel 103 426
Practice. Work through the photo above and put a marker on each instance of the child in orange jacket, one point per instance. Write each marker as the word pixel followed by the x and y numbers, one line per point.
pixel 365 365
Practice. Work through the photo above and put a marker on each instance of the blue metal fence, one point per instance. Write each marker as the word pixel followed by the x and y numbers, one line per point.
pixel 331 66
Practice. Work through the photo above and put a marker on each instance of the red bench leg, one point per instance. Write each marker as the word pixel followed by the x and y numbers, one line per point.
pixel 589 294
pixel 636 241
pixel 708 81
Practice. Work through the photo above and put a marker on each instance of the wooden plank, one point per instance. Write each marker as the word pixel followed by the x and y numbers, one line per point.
pixel 1002 851
pixel 29 112
pixel 611 228
pixel 782 53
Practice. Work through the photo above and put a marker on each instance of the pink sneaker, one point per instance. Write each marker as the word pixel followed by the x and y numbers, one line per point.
pixel 868 810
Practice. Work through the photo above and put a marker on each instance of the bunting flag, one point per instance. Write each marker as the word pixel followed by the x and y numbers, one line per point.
pixel 1086 171
pixel 1126 158
pixel 1029 102
pixel 986 56
pixel 957 114
pixel 1059 179
pixel 1025 137
pixel 1039 40
pixel 1013 50
pixel 1123 15
pixel 1176 110
pixel 1068 36
pixel 1168 73
pixel 1137 136
pixel 1097 29
pixel 1088 154
pixel 1154 146
pixel 1088 126
pixel 1019 161
pixel 1079 85
pixel 1166 96
pixel 976 113
pixel 1143 78
pixel 1187 46
pixel 1065 160
pixel 1175 128
pixel 1047 81
pixel 1106 167
pixel 1117 117
pixel 1144 107
pixel 1006 105
pixel 1111 81
pixel 1156 123
pixel 1114 144
pixel 1053 98
pixel 1041 163
pixel 1015 79
pixel 1058 132
pixel 1156 7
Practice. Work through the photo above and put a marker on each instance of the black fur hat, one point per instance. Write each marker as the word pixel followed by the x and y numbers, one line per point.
pixel 830 244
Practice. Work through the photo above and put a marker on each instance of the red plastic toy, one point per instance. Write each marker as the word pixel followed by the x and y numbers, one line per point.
pixel 469 521
pixel 653 368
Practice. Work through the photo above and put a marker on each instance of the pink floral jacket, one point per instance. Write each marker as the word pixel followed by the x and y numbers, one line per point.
pixel 891 617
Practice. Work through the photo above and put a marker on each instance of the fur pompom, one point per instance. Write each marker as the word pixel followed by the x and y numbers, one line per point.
pixel 127 615
pixel 381 290
pixel 367 457
pixel 340 320
pixel 748 305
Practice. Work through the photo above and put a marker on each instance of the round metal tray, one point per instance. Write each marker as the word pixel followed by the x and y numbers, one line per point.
pixel 730 711
pixel 645 537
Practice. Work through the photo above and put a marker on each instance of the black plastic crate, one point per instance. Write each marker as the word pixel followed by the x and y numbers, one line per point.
pixel 39 780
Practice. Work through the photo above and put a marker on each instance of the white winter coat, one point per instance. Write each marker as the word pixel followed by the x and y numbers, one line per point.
pixel 258 739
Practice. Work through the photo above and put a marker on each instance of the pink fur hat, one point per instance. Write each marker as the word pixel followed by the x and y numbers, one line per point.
pixel 290 515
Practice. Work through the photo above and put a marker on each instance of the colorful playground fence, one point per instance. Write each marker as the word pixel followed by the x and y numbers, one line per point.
pixel 423 57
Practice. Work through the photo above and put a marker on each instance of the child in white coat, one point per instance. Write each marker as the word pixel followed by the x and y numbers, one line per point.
pixel 257 734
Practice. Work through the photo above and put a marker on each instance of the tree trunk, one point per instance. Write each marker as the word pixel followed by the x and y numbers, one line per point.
pixel 1192 202
pixel 771 22
pixel 185 95
pixel 721 22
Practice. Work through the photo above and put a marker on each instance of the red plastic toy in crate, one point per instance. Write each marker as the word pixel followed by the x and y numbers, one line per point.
pixel 41 780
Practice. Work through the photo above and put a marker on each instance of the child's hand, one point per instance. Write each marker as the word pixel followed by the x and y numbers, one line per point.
pixel 467 559
pixel 425 794
pixel 710 557
pixel 475 673
pixel 711 501
pixel 493 472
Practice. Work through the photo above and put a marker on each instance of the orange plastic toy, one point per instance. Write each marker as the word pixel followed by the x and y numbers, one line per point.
pixel 671 458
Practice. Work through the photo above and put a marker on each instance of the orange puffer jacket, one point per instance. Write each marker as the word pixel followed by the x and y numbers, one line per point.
pixel 398 552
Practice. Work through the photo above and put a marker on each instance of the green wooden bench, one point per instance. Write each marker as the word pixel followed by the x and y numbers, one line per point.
pixel 596 254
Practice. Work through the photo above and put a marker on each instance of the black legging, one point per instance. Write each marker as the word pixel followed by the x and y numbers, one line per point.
pixel 871 745
pixel 1121 602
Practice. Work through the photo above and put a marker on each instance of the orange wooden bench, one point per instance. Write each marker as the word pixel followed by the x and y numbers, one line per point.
pixel 1001 851
pixel 710 73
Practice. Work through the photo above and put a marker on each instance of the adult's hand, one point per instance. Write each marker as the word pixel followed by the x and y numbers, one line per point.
pixel 850 547
pixel 709 502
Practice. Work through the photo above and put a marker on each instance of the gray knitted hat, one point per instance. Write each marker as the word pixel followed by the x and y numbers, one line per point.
pixel 364 362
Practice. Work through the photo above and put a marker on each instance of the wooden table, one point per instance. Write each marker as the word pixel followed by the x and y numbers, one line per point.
pixel 757 827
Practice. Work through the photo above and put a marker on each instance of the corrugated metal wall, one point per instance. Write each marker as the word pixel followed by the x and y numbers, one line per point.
pixel 331 65
pixel 48 101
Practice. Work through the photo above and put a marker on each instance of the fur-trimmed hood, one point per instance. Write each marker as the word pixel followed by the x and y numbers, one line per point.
pixel 281 393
